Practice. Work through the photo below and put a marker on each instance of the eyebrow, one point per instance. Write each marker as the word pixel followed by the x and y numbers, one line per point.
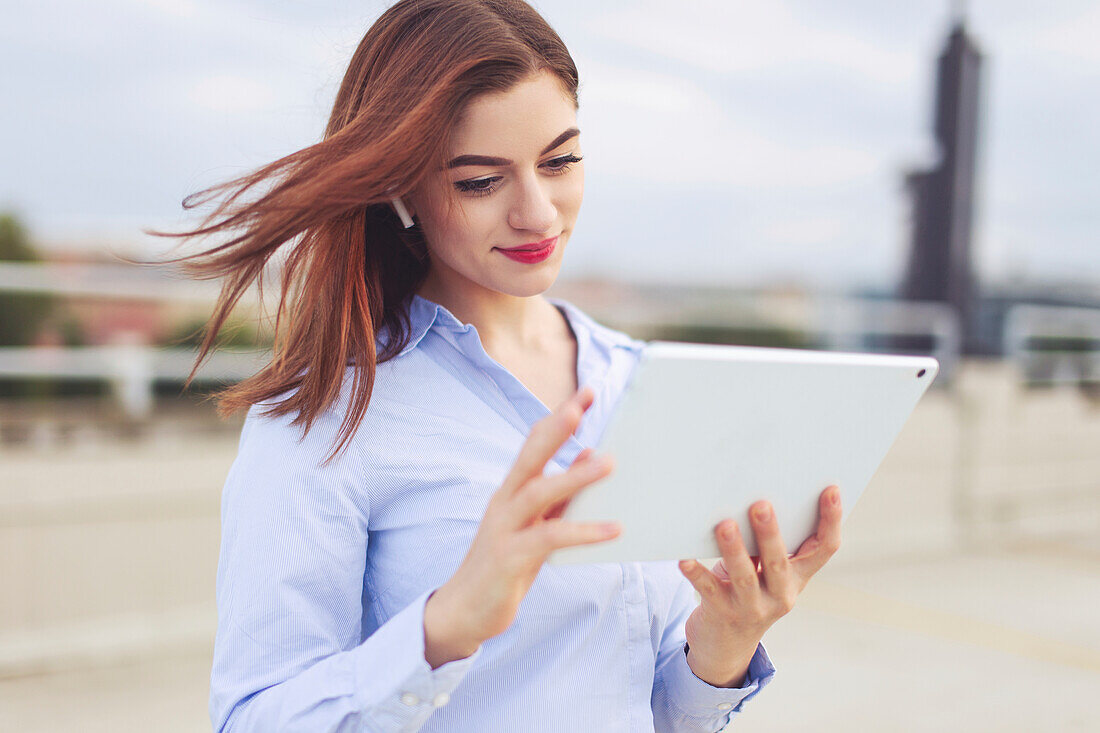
pixel 489 160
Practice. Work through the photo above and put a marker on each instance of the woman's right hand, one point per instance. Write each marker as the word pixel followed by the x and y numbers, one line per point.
pixel 521 527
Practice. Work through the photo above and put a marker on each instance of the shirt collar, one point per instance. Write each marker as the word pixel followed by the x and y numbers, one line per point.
pixel 425 314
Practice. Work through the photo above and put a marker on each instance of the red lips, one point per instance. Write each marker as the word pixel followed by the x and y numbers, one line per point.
pixel 530 247
pixel 531 256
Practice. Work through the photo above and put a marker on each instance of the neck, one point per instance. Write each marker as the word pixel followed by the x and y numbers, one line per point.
pixel 502 320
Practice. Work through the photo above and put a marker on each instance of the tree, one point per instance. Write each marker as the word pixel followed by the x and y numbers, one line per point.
pixel 21 314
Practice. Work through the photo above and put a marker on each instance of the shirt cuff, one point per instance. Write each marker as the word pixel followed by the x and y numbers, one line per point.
pixel 396 681
pixel 700 699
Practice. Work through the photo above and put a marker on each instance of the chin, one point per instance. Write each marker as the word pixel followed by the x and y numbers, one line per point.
pixel 536 283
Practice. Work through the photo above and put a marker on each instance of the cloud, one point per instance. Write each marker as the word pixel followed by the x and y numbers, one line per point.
pixel 171 8
pixel 809 231
pixel 669 129
pixel 773 130
pixel 738 38
pixel 1073 39
pixel 234 94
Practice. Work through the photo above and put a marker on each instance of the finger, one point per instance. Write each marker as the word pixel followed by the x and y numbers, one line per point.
pixel 585 395
pixel 825 541
pixel 539 495
pixel 556 511
pixel 706 583
pixel 583 456
pixel 720 571
pixel 773 553
pixel 555 534
pixel 546 437
pixel 738 566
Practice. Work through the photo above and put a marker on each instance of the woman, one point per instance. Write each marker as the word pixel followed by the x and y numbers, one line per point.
pixel 382 567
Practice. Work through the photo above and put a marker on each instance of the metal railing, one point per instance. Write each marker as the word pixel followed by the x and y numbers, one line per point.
pixel 130 369
pixel 832 322
pixel 837 323
pixel 1028 327
pixel 847 325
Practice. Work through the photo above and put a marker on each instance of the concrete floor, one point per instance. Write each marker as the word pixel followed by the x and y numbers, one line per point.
pixel 1006 641
pixel 992 641
pixel 902 631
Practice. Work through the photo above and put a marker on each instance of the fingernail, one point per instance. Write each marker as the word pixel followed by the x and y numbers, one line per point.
pixel 834 497
pixel 730 532
pixel 761 513
pixel 810 546
pixel 610 528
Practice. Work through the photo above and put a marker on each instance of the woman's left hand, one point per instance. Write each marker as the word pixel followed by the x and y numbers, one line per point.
pixel 741 599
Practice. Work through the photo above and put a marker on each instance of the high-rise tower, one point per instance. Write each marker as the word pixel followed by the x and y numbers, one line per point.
pixel 940 264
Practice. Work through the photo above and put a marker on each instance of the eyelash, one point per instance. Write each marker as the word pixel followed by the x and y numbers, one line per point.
pixel 471 187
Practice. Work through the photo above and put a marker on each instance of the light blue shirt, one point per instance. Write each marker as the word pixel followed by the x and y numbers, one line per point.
pixel 324 571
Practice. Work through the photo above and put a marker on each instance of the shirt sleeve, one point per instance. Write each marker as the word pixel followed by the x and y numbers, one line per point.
pixel 289 653
pixel 681 701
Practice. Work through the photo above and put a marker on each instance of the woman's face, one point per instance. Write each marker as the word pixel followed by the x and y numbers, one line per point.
pixel 514 178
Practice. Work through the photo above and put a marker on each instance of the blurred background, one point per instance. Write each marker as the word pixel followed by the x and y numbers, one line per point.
pixel 863 176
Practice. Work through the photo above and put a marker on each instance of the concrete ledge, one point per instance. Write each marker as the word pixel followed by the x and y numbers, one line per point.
pixel 104 642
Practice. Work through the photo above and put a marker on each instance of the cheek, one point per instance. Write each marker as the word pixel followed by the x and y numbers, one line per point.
pixel 572 197
pixel 467 227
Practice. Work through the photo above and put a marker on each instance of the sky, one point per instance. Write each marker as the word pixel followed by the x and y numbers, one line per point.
pixel 726 142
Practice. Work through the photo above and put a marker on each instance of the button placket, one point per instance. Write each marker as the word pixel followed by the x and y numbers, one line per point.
pixel 518 400
pixel 509 397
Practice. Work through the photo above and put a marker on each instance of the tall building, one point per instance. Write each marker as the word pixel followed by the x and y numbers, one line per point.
pixel 940 266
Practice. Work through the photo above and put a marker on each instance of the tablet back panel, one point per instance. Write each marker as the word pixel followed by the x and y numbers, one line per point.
pixel 703 431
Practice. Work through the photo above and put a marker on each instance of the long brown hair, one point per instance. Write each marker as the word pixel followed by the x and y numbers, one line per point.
pixel 351 269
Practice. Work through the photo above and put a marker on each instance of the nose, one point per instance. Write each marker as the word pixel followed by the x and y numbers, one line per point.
pixel 532 209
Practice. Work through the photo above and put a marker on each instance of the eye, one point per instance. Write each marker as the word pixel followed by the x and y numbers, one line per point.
pixel 489 184
pixel 478 186
pixel 563 163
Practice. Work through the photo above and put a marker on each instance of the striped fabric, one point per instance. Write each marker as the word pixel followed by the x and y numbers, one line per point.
pixel 324 572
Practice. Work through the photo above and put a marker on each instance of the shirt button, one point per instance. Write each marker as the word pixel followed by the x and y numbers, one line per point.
pixel 441 699
pixel 725 705
pixel 410 699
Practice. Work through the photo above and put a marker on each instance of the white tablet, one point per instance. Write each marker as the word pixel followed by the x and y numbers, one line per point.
pixel 702 431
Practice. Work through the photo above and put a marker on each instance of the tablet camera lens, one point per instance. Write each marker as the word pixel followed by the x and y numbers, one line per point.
pixel 920 374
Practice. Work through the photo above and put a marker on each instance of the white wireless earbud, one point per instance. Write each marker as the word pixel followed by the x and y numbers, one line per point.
pixel 402 212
